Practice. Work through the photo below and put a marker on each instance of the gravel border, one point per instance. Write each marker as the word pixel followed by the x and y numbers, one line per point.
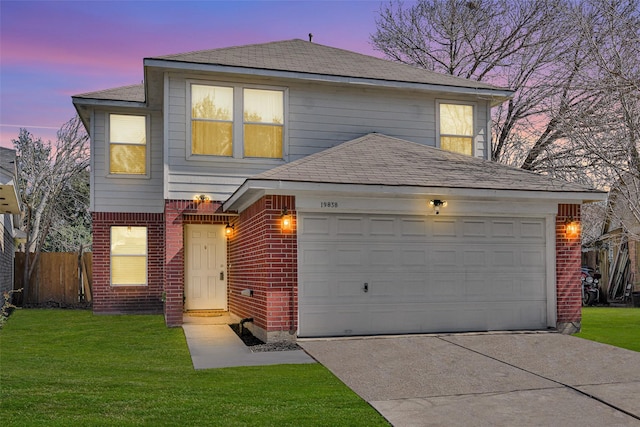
pixel 275 346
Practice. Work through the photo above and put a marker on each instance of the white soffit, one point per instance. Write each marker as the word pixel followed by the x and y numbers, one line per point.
pixel 8 199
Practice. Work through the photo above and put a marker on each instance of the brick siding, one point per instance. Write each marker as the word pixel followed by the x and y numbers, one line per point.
pixel 127 299
pixel 568 259
pixel 263 258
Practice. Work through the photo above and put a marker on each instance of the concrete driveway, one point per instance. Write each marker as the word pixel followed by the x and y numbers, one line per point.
pixel 494 379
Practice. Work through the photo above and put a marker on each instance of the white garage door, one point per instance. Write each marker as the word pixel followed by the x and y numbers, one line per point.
pixel 366 274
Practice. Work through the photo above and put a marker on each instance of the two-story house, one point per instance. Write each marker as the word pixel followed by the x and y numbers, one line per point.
pixel 321 192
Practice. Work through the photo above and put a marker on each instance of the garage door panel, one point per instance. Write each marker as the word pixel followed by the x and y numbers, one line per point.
pixel 314 289
pixel 531 287
pixel 532 230
pixel 503 258
pixel 382 227
pixel 383 257
pixel 445 287
pixel 503 229
pixel 349 287
pixel 477 228
pixel 413 257
pixel 316 257
pixel 444 228
pixel 315 225
pixel 425 274
pixel 350 227
pixel 327 320
pixel 522 316
pixel 440 258
pixel 474 258
pixel 350 257
pixel 532 258
pixel 413 228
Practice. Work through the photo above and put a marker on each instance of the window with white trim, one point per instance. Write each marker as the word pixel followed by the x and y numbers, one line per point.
pixel 456 128
pixel 127 144
pixel 211 120
pixel 236 121
pixel 128 256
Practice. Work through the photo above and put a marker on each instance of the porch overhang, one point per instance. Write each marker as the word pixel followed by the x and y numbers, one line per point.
pixel 253 189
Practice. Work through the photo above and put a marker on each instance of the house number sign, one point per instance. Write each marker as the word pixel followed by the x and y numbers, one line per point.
pixel 328 204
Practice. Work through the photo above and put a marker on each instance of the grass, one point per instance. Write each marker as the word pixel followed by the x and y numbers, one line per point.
pixel 615 326
pixel 60 367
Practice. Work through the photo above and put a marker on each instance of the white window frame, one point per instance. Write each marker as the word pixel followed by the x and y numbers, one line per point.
pixel 107 126
pixel 473 105
pixel 111 255
pixel 238 123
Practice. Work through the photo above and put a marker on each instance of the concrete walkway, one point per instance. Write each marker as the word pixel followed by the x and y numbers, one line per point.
pixel 213 344
pixel 503 379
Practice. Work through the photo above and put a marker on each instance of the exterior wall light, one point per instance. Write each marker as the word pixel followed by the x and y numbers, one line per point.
pixel 571 228
pixel 436 204
pixel 286 220
pixel 200 198
pixel 228 230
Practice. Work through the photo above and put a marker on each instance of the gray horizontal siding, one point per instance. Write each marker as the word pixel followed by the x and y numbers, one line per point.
pixel 126 194
pixel 319 116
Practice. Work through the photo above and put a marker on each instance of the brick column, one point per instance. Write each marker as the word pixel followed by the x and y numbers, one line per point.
pixel 568 285
pixel 281 270
pixel 263 259
pixel 174 265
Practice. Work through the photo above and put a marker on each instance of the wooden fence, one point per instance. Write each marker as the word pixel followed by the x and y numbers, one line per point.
pixel 61 278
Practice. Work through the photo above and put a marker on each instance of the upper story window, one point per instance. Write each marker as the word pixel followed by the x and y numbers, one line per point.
pixel 456 128
pixel 211 120
pixel 127 144
pixel 128 256
pixel 263 123
pixel 238 122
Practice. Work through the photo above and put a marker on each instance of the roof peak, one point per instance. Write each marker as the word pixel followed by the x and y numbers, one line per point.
pixel 301 56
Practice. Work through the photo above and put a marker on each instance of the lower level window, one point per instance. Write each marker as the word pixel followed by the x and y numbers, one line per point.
pixel 128 256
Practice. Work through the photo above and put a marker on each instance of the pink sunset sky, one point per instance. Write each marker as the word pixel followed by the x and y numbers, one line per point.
pixel 51 50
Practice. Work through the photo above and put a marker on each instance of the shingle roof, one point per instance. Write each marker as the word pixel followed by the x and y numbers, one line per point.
pixel 377 159
pixel 7 159
pixel 132 93
pixel 305 57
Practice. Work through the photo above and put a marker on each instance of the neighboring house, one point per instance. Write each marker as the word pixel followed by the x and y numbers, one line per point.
pixel 9 211
pixel 300 186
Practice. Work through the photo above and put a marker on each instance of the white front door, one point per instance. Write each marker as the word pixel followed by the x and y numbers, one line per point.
pixel 205 267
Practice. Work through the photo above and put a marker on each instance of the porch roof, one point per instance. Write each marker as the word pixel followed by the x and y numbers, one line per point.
pixel 376 163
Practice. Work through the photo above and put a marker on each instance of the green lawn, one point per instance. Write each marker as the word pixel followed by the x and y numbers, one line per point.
pixel 68 367
pixel 615 326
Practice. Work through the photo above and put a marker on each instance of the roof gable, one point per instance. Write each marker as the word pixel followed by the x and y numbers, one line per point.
pixel 377 159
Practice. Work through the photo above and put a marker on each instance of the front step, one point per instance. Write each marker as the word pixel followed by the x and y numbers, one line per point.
pixel 206 313
pixel 207 317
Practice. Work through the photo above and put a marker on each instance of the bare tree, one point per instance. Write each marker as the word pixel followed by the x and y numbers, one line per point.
pixel 44 170
pixel 608 132
pixel 516 44
pixel 574 67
